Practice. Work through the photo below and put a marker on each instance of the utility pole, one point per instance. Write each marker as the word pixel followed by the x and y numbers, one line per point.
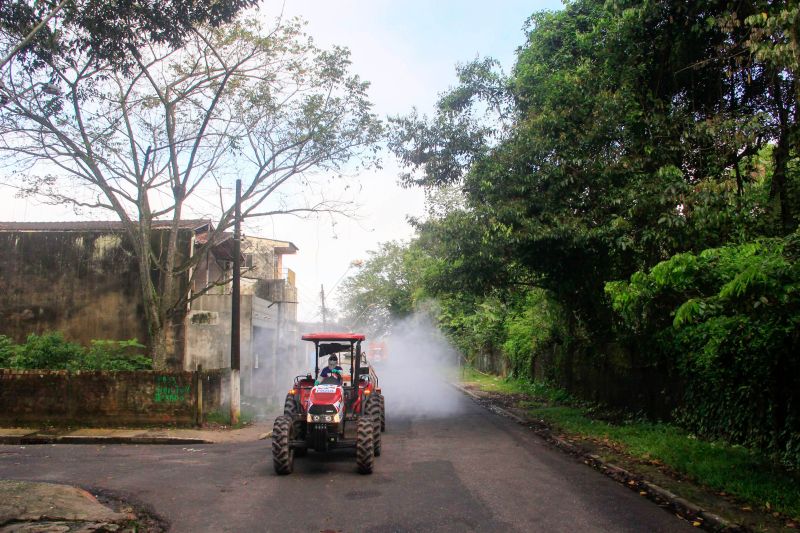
pixel 324 310
pixel 236 309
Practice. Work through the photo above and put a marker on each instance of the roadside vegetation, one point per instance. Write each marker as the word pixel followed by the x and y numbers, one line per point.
pixel 618 216
pixel 747 476
pixel 53 352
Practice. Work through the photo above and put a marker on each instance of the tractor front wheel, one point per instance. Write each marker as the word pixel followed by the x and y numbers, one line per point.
pixel 373 410
pixel 383 413
pixel 365 445
pixel 290 405
pixel 282 453
pixel 291 409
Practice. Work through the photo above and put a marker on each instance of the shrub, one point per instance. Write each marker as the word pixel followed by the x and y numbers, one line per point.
pixel 113 355
pixel 727 319
pixel 6 351
pixel 51 351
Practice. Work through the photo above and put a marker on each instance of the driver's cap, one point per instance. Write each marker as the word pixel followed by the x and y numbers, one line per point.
pixel 333 359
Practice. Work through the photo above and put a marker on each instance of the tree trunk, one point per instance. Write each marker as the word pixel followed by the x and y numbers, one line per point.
pixel 778 190
pixel 151 303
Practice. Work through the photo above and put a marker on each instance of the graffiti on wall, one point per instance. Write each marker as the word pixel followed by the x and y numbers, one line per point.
pixel 168 390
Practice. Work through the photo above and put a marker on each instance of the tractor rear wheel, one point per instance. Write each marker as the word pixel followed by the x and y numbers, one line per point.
pixel 282 453
pixel 383 413
pixel 365 446
pixel 372 409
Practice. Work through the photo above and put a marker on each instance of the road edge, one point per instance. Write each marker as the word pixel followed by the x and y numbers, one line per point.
pixel 37 439
pixel 691 511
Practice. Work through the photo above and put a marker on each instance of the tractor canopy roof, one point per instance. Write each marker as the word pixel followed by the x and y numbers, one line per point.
pixel 334 337
pixel 334 347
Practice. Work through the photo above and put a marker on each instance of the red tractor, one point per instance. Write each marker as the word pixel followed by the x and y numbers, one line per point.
pixel 335 412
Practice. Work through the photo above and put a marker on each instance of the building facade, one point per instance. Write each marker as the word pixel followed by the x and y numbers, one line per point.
pixel 81 278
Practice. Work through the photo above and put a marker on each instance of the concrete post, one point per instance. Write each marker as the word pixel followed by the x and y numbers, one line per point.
pixel 198 377
pixel 236 398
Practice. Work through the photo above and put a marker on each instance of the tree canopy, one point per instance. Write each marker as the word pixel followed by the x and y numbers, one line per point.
pixel 633 181
pixel 263 104
pixel 44 32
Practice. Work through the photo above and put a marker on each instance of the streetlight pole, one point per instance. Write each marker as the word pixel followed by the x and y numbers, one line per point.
pixel 236 309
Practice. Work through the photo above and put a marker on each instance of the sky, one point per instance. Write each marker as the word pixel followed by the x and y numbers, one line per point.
pixel 408 51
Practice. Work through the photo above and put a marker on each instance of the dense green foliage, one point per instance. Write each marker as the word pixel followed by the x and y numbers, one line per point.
pixel 51 351
pixel 112 31
pixel 728 319
pixel 650 141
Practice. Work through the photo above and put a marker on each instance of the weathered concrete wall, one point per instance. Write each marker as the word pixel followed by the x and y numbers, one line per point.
pixel 108 398
pixel 269 360
pixel 607 374
pixel 611 375
pixel 82 283
pixel 208 335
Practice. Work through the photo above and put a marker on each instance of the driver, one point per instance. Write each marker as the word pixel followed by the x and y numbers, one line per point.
pixel 333 369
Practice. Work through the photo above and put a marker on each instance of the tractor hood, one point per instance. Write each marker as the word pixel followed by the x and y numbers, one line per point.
pixel 326 394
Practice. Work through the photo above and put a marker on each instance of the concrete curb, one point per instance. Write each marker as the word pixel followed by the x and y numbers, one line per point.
pixel 34 439
pixel 660 495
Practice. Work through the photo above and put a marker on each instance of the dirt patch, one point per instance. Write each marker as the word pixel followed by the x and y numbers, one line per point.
pixel 145 517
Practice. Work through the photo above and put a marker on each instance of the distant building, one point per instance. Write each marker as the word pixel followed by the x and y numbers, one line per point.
pixel 81 278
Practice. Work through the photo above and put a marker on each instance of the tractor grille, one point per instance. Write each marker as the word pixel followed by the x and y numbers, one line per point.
pixel 322 410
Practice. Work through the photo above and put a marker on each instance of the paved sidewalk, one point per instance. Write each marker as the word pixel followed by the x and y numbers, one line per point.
pixel 253 432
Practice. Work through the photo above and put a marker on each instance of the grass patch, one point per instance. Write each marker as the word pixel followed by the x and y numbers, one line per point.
pixel 224 419
pixel 735 470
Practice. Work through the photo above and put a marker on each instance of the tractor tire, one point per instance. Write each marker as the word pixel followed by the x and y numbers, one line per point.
pixel 372 409
pixel 282 453
pixel 365 446
pixel 383 413
pixel 376 435
pixel 290 407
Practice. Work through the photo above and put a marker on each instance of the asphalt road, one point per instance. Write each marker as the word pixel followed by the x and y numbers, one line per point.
pixel 469 471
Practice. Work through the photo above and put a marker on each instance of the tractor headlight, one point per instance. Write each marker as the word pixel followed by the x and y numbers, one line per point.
pixel 337 418
pixel 308 418
pixel 328 418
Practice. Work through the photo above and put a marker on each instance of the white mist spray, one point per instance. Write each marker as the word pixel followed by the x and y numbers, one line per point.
pixel 417 370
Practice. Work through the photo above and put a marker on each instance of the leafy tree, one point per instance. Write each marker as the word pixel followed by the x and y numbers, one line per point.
pixel 634 132
pixel 382 290
pixel 235 101
pixel 111 32
pixel 649 141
